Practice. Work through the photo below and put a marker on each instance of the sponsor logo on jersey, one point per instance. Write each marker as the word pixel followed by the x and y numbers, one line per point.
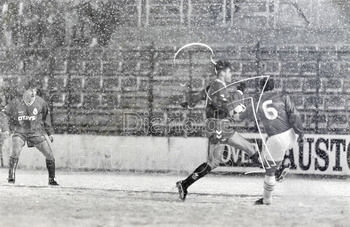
pixel 26 118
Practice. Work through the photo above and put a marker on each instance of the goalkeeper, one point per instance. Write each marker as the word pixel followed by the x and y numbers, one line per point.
pixel 220 106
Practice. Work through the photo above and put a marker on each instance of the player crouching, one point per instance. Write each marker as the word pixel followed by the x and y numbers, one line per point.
pixel 29 119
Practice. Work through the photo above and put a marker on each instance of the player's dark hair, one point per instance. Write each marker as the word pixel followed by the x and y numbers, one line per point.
pixel 222 65
pixel 270 84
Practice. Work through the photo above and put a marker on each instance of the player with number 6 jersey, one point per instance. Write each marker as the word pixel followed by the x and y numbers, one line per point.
pixel 281 122
pixel 278 114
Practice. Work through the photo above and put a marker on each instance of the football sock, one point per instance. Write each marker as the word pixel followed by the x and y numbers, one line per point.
pixel 50 165
pixel 198 173
pixel 12 167
pixel 269 185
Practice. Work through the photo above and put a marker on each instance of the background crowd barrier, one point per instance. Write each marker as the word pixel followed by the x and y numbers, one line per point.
pixel 319 155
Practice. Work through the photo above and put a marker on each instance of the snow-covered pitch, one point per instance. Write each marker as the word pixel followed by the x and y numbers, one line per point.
pixel 151 199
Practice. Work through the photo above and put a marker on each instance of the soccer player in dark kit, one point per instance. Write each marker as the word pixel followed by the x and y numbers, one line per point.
pixel 222 102
pixel 281 122
pixel 29 119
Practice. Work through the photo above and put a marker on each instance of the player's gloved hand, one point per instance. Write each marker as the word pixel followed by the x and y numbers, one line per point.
pixel 51 138
pixel 241 87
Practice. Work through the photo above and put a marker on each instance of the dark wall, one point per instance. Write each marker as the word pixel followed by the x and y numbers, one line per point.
pixel 125 78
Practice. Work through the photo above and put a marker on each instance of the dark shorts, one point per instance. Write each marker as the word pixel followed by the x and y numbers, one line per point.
pixel 30 139
pixel 218 130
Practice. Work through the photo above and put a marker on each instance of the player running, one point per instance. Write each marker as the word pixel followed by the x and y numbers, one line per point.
pixel 219 108
pixel 29 119
pixel 282 122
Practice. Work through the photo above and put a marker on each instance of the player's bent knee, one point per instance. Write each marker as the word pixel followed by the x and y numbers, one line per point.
pixel 214 139
pixel 46 150
pixel 238 141
pixel 17 142
pixel 48 155
pixel 16 151
pixel 215 154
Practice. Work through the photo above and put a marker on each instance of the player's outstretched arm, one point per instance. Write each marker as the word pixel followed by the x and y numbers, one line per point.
pixel 195 98
pixel 294 119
